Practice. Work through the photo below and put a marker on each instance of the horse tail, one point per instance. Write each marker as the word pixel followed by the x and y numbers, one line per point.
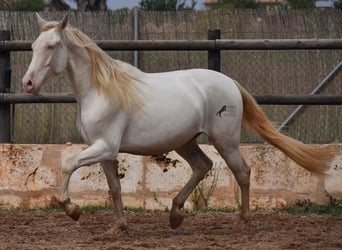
pixel 313 159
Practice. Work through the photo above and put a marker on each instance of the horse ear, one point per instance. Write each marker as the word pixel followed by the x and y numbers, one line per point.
pixel 41 21
pixel 63 23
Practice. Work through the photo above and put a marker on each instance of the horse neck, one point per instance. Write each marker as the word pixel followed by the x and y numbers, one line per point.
pixel 79 71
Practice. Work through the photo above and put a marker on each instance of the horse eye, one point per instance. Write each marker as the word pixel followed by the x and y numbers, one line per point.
pixel 50 45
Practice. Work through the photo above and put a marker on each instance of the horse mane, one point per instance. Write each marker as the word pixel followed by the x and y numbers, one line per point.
pixel 112 78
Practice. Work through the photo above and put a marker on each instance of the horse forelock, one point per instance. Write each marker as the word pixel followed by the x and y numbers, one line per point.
pixel 48 26
pixel 110 77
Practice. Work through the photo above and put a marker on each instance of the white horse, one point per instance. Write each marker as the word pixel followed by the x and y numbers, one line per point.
pixel 122 109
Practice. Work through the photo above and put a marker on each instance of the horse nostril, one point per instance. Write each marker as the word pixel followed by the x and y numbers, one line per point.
pixel 28 85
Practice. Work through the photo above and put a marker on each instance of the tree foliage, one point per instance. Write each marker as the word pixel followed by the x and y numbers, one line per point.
pixel 95 5
pixel 22 5
pixel 166 5
pixel 56 5
pixel 4 4
pixel 301 4
pixel 236 4
pixel 83 5
pixel 338 4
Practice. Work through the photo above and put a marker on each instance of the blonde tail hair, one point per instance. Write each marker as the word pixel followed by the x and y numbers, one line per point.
pixel 313 159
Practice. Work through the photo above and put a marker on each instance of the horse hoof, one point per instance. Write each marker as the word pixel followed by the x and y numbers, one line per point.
pixel 72 210
pixel 113 232
pixel 238 227
pixel 119 227
pixel 176 221
pixel 245 217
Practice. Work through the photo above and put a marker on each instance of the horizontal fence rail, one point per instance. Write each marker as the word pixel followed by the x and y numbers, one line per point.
pixel 218 44
pixel 261 99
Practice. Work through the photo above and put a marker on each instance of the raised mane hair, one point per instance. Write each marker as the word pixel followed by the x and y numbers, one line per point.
pixel 111 77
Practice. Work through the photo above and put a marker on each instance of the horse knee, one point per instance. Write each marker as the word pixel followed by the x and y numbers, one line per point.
pixel 68 166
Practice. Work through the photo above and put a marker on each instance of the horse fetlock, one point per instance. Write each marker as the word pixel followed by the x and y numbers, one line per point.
pixel 54 202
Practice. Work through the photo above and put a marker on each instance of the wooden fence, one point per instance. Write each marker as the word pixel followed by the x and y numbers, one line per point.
pixel 272 72
pixel 16 98
pixel 212 47
pixel 207 45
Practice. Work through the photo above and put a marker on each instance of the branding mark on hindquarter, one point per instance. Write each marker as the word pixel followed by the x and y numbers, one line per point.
pixel 223 109
pixel 226 110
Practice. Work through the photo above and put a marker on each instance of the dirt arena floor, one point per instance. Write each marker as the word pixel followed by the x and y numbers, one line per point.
pixel 150 230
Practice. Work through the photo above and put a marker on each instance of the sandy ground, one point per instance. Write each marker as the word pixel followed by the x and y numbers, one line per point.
pixel 150 230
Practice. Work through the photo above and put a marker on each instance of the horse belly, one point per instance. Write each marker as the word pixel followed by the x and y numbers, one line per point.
pixel 159 137
pixel 162 130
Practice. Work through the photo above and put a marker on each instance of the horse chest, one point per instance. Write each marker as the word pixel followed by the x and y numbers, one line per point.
pixel 97 124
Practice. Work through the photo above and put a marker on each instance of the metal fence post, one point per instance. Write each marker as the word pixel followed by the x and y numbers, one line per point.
pixel 136 35
pixel 5 86
pixel 214 56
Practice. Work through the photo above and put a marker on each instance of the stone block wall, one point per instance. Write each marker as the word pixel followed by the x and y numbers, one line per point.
pixel 31 174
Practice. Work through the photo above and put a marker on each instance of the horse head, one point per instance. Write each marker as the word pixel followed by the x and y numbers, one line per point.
pixel 50 55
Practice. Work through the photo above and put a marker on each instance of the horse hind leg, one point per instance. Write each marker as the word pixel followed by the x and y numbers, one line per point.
pixel 200 165
pixel 241 171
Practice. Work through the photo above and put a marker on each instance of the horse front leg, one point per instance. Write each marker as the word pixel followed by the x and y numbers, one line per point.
pixel 110 169
pixel 93 154
pixel 71 209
